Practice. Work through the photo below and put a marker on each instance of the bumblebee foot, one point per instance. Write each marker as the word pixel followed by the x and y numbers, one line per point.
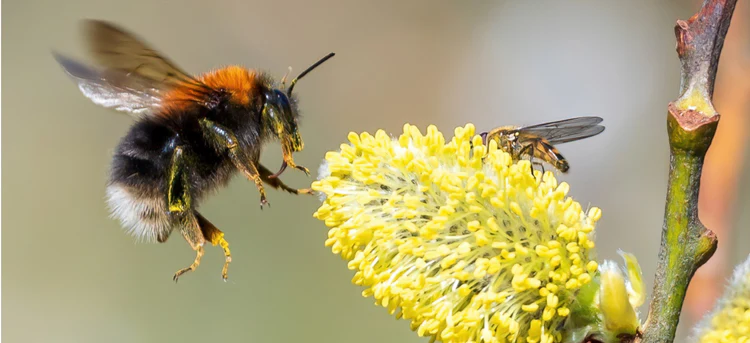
pixel 296 191
pixel 226 266
pixel 293 190
pixel 196 262
pixel 275 182
pixel 305 191
pixel 180 272
pixel 303 169
pixel 264 202
pixel 216 237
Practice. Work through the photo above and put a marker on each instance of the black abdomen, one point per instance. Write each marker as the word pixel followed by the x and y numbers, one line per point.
pixel 136 194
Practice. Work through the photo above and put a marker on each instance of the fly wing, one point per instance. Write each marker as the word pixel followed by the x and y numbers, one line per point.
pixel 114 89
pixel 566 130
pixel 117 49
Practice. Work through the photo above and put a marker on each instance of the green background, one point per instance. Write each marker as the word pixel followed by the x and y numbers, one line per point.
pixel 71 274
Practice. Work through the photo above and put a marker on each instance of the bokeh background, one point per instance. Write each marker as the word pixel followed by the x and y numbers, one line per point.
pixel 72 275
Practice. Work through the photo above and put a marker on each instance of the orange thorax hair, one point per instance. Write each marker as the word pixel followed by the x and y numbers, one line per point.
pixel 239 82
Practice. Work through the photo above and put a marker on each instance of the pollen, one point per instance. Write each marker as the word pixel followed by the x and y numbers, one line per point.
pixel 457 237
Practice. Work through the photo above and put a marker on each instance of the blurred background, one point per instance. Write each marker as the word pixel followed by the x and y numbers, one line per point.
pixel 71 274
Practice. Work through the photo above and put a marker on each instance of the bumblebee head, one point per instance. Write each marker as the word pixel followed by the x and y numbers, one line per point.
pixel 280 117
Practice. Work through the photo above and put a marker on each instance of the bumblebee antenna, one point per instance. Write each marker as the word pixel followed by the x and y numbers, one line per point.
pixel 283 79
pixel 302 74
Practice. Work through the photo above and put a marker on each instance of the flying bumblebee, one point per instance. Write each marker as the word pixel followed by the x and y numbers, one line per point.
pixel 537 141
pixel 191 134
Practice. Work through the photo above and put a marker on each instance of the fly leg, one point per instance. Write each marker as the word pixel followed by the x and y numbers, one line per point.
pixel 179 207
pixel 276 182
pixel 216 237
pixel 224 138
pixel 528 150
pixel 538 164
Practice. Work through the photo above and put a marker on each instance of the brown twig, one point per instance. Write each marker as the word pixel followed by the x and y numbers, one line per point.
pixel 723 168
pixel 691 123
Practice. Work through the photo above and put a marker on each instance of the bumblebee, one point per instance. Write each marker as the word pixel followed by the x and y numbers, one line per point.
pixel 190 136
pixel 536 141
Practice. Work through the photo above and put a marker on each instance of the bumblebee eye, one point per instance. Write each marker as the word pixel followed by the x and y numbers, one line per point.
pixel 271 105
pixel 282 101
pixel 270 97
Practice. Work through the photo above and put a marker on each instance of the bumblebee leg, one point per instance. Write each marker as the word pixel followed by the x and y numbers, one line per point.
pixel 178 194
pixel 277 183
pixel 216 237
pixel 192 233
pixel 179 207
pixel 225 138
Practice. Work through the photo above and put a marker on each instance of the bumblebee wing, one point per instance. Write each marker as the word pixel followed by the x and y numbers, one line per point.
pixel 117 49
pixel 114 89
pixel 566 130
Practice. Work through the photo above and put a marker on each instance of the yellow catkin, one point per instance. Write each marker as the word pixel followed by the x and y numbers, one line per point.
pixel 456 237
pixel 729 322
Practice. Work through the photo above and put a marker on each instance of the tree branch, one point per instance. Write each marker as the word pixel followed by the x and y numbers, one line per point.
pixel 691 123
